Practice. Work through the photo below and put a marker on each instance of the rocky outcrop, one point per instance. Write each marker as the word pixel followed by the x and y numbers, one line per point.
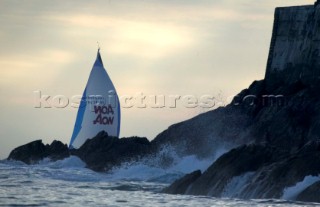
pixel 282 109
pixel 271 180
pixel 294 51
pixel 270 172
pixel 35 151
pixel 180 186
pixel 102 152
pixel 234 163
pixel 310 194
pixel 204 134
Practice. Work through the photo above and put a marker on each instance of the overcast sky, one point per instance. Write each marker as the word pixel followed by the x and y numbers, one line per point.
pixel 168 47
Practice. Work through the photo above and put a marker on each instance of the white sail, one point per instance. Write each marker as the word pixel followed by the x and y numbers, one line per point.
pixel 99 107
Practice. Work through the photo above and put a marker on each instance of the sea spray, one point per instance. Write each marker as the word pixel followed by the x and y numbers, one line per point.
pixel 291 193
pixel 236 185
pixel 164 167
pixel 70 162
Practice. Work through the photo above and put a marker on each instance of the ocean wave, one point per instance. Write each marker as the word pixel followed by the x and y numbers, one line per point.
pixel 291 193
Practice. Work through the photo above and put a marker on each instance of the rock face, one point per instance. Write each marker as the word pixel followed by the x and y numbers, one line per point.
pixel 311 194
pixel 102 152
pixel 287 95
pixel 234 163
pixel 294 51
pixel 204 134
pixel 282 118
pixel 181 186
pixel 262 172
pixel 35 151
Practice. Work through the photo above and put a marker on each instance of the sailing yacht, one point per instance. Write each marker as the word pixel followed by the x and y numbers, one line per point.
pixel 99 108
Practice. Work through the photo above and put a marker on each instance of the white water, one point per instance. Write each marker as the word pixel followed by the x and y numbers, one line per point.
pixel 68 183
pixel 143 172
pixel 148 169
pixel 291 193
pixel 237 185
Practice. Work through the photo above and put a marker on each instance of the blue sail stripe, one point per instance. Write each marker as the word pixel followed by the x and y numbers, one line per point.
pixel 79 120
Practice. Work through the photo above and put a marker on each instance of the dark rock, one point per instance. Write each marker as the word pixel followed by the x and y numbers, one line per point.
pixel 35 151
pixel 271 171
pixel 57 150
pixel 234 163
pixel 271 180
pixel 181 185
pixel 102 152
pixel 310 194
pixel 203 135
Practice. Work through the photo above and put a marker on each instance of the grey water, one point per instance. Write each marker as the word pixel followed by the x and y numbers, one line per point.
pixel 69 183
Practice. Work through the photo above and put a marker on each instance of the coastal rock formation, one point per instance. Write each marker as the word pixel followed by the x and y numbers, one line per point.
pixel 234 163
pixel 283 113
pixel 294 50
pixel 262 171
pixel 180 186
pixel 282 109
pixel 102 152
pixel 35 151
pixel 310 194
pixel 204 134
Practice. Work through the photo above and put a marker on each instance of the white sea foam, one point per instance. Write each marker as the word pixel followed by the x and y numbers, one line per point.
pixel 69 162
pixel 144 172
pixel 291 193
pixel 236 185
pixel 150 168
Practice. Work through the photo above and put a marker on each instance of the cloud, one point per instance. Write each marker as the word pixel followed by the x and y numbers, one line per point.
pixel 129 37
pixel 25 68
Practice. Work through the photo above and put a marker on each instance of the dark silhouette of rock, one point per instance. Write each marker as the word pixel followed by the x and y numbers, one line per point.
pixel 281 110
pixel 180 186
pixel 272 171
pixel 35 151
pixel 234 163
pixel 271 180
pixel 102 152
pixel 204 134
pixel 310 194
pixel 57 150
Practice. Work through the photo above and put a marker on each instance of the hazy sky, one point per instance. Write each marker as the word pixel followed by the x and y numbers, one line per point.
pixel 168 47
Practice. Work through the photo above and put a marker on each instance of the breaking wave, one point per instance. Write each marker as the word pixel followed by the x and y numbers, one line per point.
pixel 236 185
pixel 156 168
pixel 163 167
pixel 291 193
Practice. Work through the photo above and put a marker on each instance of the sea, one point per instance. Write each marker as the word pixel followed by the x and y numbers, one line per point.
pixel 69 183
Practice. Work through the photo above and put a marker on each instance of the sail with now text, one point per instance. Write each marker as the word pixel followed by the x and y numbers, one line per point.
pixel 99 108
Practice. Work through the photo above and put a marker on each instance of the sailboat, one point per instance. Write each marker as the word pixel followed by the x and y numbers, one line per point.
pixel 99 108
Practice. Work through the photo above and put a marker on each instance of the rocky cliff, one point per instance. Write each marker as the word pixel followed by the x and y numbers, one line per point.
pixel 282 121
pixel 294 51
pixel 282 109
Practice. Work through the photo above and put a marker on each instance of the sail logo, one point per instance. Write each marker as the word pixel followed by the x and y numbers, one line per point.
pixel 105 115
